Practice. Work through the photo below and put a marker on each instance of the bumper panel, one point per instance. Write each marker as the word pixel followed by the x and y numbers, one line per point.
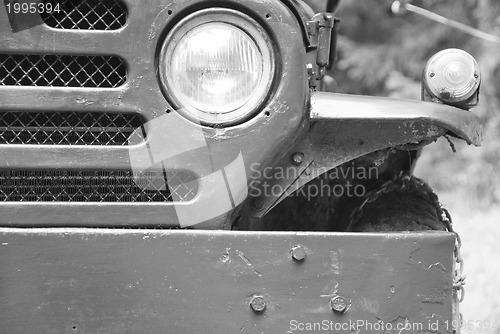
pixel 179 281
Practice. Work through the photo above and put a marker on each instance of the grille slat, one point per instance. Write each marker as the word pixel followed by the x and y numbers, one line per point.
pixel 62 71
pixel 94 186
pixel 68 128
pixel 86 14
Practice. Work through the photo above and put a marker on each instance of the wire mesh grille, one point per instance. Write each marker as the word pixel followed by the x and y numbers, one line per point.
pixel 62 71
pixel 67 128
pixel 94 186
pixel 86 14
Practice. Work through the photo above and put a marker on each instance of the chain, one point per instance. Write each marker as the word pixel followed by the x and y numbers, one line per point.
pixel 459 279
pixel 398 183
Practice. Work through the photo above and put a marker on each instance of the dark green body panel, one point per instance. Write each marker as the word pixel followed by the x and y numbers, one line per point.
pixel 181 281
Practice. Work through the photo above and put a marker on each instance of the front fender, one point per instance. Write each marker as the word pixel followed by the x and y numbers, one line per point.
pixel 345 127
pixel 371 110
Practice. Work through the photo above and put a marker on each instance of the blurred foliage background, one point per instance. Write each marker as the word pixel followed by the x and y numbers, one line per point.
pixel 383 54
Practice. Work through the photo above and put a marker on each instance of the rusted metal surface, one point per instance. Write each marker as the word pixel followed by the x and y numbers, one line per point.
pixel 174 281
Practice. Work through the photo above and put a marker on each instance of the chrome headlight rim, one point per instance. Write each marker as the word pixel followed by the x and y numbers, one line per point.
pixel 252 29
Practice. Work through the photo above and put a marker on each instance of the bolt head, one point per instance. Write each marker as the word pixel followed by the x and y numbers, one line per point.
pixel 258 204
pixel 298 253
pixel 297 158
pixel 338 304
pixel 258 304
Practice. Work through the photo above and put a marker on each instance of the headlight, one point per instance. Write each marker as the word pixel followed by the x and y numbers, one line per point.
pixel 452 75
pixel 217 66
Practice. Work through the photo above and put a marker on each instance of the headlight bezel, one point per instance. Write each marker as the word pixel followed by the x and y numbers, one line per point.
pixel 252 29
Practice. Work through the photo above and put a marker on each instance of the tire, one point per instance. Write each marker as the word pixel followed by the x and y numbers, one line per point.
pixel 409 210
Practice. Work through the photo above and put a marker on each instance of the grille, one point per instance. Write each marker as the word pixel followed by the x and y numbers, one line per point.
pixel 93 186
pixel 86 14
pixel 67 128
pixel 62 71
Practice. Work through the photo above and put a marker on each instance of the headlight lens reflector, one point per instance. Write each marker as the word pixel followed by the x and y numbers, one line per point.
pixel 217 71
pixel 215 68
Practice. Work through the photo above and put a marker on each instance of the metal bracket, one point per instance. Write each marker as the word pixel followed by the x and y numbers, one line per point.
pixel 319 29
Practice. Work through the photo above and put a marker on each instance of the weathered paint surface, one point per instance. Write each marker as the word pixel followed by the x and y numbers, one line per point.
pixel 410 114
pixel 261 140
pixel 345 127
pixel 176 281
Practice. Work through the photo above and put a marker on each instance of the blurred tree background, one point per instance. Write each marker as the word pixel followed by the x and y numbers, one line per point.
pixel 383 54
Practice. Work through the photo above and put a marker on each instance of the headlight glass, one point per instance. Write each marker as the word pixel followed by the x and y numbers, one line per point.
pixel 217 68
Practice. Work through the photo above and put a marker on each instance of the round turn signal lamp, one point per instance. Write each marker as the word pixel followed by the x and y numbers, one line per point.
pixel 452 76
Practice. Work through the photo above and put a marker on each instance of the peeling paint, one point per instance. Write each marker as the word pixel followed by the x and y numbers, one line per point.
pixel 434 131
pixel 330 290
pixel 283 108
pixel 437 265
pixel 336 263
pixel 242 256
pixel 225 256
pixel 81 100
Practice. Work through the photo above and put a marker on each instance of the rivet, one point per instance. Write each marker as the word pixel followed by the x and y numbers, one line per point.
pixel 258 204
pixel 258 304
pixel 297 158
pixel 338 304
pixel 432 75
pixel 298 253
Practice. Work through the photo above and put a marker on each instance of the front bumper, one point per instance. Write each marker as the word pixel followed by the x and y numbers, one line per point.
pixel 178 281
